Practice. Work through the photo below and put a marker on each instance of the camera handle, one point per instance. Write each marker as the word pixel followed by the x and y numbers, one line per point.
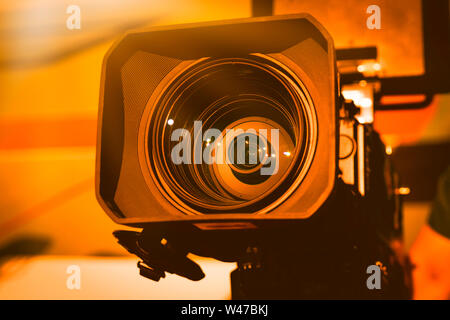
pixel 158 256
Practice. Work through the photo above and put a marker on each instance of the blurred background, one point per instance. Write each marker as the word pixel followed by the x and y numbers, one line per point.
pixel 49 93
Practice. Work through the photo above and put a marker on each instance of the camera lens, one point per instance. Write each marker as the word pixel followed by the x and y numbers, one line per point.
pixel 251 153
pixel 231 135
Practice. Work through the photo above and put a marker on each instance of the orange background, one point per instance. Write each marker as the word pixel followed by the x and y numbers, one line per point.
pixel 49 87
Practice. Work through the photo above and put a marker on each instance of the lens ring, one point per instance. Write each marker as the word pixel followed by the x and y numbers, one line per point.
pixel 289 107
pixel 248 166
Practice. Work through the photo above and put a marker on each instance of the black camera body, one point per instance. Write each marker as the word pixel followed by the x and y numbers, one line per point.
pixel 309 228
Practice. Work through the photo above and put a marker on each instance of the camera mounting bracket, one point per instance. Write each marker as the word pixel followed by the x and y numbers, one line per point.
pixel 158 256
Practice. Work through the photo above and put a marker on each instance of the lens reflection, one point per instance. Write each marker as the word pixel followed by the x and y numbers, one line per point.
pixel 252 113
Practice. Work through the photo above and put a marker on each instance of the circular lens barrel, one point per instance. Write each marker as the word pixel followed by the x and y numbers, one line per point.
pixel 231 135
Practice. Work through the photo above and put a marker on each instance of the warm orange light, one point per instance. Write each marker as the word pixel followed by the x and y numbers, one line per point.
pixel 388 150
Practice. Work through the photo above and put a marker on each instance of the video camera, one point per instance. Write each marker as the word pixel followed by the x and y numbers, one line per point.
pixel 233 140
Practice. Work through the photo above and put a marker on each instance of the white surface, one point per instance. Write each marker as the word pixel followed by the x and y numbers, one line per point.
pixel 45 277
